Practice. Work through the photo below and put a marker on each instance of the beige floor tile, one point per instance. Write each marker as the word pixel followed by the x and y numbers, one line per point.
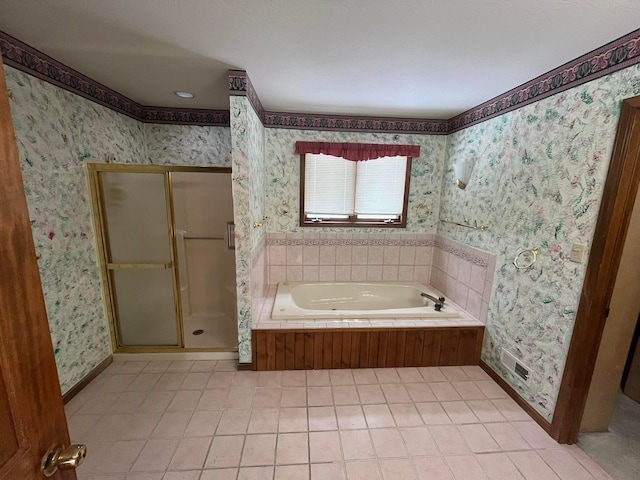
pixel 465 467
pixel 395 393
pixel 264 420
pixel 156 402
pixel 325 447
pixel 131 367
pixel 420 392
pixel 267 397
pixel 454 374
pixel 378 416
pixel 170 381
pixel 510 409
pixel 195 381
pixel 99 404
pixel 534 434
pixel 239 397
pixel 363 470
pixel 459 412
pixel 182 475
pixel 270 379
pixel 364 376
pixel 221 380
pixel 328 471
pixel 259 449
pixel 345 395
pixel 294 378
pixel 293 397
pixel 225 451
pixel 497 466
pixel 246 378
pixel 292 448
pixel 226 366
pixel 322 419
pixel 409 375
pixel 203 366
pixel 255 473
pixel 478 438
pixel 128 402
pixel 213 399
pixel 449 440
pixel 233 421
pixel 190 454
pixel 180 366
pixel 184 401
pixel 485 411
pixel 357 444
pixel 292 472
pixel 532 466
pixel 507 437
pixel 433 468
pixel 388 443
pixel 350 417
pixel 564 464
pixel 370 394
pixel 220 474
pixel 144 382
pixel 468 390
pixel 398 469
pixel 318 378
pixel 319 396
pixel 341 377
pixel 203 424
pixel 156 455
pixel 419 441
pixel 140 426
pixel 444 392
pixel 293 420
pixel 406 415
pixel 172 424
pixel 156 367
pixel 474 372
pixel 432 374
pixel 491 389
pixel 432 413
pixel 120 457
pixel 387 375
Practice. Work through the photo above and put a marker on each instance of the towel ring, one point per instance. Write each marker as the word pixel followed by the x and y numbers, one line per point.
pixel 520 265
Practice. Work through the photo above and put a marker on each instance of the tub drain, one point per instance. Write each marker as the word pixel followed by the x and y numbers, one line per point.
pixel 198 332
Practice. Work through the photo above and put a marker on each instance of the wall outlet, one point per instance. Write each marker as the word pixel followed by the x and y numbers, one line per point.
pixel 519 369
pixel 578 251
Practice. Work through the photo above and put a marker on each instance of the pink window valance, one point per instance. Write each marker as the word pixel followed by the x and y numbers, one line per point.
pixel 358 151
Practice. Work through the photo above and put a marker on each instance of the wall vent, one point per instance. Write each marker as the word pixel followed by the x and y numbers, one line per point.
pixel 514 365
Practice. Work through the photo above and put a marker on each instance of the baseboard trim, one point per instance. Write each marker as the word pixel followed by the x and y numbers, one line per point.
pixel 532 412
pixel 77 388
pixel 245 366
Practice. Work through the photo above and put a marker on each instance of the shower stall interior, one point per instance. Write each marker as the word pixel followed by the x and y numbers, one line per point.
pixel 165 237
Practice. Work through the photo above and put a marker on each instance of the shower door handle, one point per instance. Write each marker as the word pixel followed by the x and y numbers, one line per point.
pixel 231 242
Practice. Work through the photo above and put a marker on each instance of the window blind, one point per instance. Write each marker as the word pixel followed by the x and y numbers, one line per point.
pixel 380 187
pixel 329 186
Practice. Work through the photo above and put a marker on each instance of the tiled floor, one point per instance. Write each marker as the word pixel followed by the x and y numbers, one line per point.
pixel 203 420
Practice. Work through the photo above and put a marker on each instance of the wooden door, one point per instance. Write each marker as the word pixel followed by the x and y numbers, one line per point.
pixel 32 417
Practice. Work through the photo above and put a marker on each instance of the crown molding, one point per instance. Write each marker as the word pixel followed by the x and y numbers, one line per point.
pixel 27 59
pixel 617 55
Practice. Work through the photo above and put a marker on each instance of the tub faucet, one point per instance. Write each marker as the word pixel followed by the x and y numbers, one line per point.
pixel 438 302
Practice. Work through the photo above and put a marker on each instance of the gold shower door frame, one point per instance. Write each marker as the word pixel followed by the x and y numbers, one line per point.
pixel 99 220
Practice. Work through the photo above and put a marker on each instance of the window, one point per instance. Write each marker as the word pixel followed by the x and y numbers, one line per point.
pixel 338 191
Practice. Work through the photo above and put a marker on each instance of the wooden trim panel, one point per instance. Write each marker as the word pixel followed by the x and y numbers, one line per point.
pixel 313 349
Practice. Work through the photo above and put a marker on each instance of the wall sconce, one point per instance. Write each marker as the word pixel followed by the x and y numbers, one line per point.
pixel 463 170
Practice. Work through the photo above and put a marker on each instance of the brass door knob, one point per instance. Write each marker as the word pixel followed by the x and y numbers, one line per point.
pixel 61 458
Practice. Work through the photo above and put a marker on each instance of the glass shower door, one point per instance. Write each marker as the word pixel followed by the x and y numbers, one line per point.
pixel 140 262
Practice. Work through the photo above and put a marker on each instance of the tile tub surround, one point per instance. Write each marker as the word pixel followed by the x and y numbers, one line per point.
pixel 462 273
pixel 203 420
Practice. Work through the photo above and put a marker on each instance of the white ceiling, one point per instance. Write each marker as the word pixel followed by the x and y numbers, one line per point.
pixel 410 58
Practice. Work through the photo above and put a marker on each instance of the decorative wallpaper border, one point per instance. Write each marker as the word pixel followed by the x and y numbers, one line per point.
pixel 609 58
pixel 460 252
pixel 346 123
pixel 240 85
pixel 22 57
pixel 353 242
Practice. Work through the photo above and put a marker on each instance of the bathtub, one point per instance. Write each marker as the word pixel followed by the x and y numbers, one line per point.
pixel 366 300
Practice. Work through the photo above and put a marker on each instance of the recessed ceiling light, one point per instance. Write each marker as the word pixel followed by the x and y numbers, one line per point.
pixel 184 94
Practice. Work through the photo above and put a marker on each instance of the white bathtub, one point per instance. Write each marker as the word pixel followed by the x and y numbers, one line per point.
pixel 370 300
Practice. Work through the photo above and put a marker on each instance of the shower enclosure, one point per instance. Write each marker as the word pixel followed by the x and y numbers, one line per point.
pixel 165 237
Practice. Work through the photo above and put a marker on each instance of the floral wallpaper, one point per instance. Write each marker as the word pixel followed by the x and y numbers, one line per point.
pixel 57 133
pixel 247 143
pixel 537 182
pixel 282 177
pixel 188 145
